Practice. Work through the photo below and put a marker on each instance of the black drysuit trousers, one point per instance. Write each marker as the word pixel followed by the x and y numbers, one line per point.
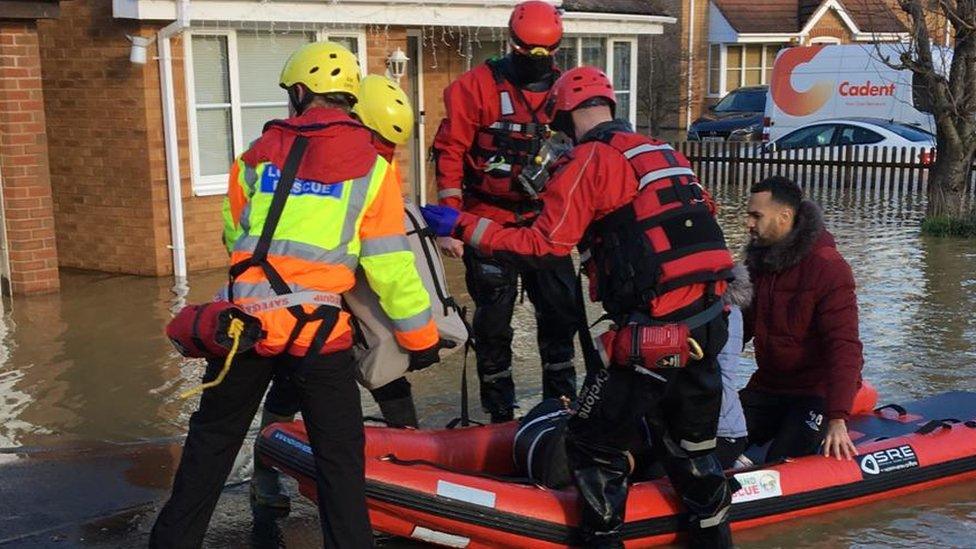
pixel 493 285
pixel 330 406
pixel 681 413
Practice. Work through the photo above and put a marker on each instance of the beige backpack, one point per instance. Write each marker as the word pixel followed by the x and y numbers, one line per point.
pixel 380 358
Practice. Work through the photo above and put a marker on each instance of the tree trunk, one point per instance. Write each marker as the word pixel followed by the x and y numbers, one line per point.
pixel 948 178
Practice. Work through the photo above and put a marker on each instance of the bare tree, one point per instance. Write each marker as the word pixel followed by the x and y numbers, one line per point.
pixel 659 75
pixel 950 95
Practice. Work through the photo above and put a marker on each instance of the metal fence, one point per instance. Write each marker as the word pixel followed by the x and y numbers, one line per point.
pixel 898 169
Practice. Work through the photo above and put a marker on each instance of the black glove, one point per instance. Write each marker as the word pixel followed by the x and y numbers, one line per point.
pixel 428 357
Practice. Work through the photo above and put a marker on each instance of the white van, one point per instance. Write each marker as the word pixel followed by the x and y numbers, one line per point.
pixel 814 83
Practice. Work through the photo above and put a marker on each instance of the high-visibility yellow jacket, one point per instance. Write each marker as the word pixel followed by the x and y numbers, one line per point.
pixel 345 210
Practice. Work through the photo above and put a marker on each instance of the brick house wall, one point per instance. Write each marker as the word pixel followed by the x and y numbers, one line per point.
pixel 24 163
pixel 699 65
pixel 103 112
pixel 831 25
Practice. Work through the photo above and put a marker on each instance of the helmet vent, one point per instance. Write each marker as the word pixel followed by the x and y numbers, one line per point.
pixel 577 77
pixel 333 56
pixel 577 90
pixel 313 70
pixel 398 129
pixel 399 102
pixel 391 87
pixel 335 71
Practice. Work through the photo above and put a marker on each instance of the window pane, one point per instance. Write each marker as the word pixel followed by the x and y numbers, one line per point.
pixel 754 56
pixel 214 139
pixel 733 57
pixel 253 119
pixel 595 53
pixel 260 58
pixel 714 69
pixel 484 50
pixel 211 81
pixel 350 42
pixel 566 54
pixel 621 65
pixel 753 77
pixel 733 79
pixel 623 105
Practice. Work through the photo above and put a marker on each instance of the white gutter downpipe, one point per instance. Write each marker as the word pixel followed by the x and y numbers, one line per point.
pixel 171 143
pixel 691 59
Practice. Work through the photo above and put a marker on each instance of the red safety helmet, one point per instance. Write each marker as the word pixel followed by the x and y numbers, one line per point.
pixel 535 28
pixel 578 85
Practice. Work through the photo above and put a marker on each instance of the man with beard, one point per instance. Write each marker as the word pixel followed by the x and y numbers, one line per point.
pixel 491 154
pixel 803 320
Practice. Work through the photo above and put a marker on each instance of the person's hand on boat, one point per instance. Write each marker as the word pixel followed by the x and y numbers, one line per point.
pixel 838 442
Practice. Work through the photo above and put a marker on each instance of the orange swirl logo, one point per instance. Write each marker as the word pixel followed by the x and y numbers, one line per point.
pixel 789 100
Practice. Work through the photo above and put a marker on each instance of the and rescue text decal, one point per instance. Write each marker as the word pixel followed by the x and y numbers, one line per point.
pixel 271 176
pixel 760 484
pixel 887 461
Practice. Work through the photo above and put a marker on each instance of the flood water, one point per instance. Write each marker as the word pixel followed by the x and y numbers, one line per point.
pixel 89 384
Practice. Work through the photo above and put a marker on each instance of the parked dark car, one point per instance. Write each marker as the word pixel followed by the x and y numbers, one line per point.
pixel 737 117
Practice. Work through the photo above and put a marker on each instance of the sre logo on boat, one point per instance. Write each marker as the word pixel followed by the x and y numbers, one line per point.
pixel 888 460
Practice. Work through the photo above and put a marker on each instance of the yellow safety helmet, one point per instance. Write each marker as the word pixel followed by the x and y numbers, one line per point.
pixel 384 108
pixel 323 67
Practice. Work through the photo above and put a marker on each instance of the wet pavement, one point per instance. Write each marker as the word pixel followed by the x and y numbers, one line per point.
pixel 90 421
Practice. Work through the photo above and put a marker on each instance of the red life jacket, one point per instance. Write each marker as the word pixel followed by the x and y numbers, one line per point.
pixel 666 238
pixel 503 148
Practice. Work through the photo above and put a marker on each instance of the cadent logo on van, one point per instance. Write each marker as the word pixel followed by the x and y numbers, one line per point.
pixel 757 485
pixel 272 174
pixel 866 90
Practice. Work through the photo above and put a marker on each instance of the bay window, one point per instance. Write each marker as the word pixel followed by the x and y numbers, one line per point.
pixel 731 66
pixel 232 89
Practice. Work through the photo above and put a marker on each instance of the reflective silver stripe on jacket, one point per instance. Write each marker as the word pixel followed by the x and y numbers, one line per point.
pixel 384 245
pixel 448 193
pixel 715 520
pixel 645 148
pixel 651 177
pixel 414 322
pixel 479 231
pixel 300 250
pixel 357 202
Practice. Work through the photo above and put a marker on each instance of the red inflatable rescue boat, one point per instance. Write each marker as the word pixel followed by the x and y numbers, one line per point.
pixel 457 488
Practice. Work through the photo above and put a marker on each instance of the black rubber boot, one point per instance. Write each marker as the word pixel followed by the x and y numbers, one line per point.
pixel 399 412
pixel 267 499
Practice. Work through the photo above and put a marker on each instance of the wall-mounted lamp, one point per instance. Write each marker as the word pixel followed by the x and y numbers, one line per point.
pixel 396 64
pixel 140 44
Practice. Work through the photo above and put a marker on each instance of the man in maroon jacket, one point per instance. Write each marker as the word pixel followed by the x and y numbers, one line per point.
pixel 803 320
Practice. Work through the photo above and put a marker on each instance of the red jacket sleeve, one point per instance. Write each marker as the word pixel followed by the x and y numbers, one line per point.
pixel 455 136
pixel 571 203
pixel 836 320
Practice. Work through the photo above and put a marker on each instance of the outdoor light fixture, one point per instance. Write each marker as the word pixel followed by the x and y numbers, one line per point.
pixel 140 44
pixel 396 64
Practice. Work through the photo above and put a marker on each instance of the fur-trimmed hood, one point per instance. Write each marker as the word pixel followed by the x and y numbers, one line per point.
pixel 787 253
pixel 739 291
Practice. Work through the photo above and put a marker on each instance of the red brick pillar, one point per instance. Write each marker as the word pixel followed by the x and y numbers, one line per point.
pixel 28 210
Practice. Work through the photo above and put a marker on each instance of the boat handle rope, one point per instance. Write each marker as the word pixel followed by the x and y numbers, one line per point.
pixel 900 410
pixel 235 330
pixel 945 424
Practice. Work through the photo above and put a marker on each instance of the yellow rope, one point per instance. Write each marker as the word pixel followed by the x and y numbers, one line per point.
pixel 695 350
pixel 234 331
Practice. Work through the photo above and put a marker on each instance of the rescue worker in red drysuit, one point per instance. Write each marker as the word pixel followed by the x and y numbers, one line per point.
pixel 487 151
pixel 657 255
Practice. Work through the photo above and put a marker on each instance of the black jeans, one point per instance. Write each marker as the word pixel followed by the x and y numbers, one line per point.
pixel 329 401
pixel 681 413
pixel 493 286
pixel 793 423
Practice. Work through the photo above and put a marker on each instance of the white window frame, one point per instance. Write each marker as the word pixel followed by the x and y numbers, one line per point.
pixel 209 185
pixel 833 40
pixel 608 42
pixel 723 66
